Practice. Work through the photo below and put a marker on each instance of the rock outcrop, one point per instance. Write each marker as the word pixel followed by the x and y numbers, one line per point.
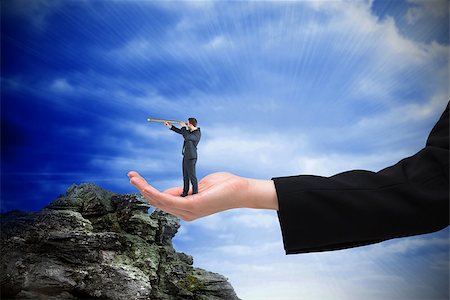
pixel 94 244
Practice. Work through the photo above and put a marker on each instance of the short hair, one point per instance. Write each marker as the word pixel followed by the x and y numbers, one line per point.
pixel 193 121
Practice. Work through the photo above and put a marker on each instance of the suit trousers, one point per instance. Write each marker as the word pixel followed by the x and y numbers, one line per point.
pixel 189 175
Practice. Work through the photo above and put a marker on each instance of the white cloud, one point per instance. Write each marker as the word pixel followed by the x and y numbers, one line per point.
pixel 183 234
pixel 256 219
pixel 271 153
pixel 145 130
pixel 252 151
pixel 218 42
pixel 426 9
pixel 216 222
pixel 387 57
pixel 358 273
pixel 61 85
pixel 407 113
pixel 399 48
pixel 248 250
pixel 331 164
pixel 403 246
pixel 232 250
pixel 143 164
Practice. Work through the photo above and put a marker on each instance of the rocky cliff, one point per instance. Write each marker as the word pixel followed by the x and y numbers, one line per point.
pixel 94 244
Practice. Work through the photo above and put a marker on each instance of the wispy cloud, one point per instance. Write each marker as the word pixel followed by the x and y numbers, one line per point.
pixel 426 10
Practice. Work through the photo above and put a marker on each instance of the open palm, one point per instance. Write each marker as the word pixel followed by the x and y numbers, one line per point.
pixel 217 192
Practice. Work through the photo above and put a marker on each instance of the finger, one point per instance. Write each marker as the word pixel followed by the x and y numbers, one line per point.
pixel 167 202
pixel 163 205
pixel 142 185
pixel 138 181
pixel 156 198
pixel 133 174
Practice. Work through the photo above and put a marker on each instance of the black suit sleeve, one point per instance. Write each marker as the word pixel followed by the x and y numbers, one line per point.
pixel 186 134
pixel 358 207
pixel 177 130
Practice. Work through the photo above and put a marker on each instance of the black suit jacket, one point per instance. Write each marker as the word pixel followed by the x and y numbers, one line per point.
pixel 358 207
pixel 191 140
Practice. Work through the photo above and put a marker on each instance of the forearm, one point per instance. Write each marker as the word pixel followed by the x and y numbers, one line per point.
pixel 175 129
pixel 261 194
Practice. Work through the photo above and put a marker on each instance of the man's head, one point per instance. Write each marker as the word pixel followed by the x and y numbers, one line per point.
pixel 192 122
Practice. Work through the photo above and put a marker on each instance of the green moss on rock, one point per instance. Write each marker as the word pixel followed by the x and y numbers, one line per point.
pixel 191 283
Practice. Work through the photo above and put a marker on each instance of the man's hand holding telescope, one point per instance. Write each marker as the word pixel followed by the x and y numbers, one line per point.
pixel 170 125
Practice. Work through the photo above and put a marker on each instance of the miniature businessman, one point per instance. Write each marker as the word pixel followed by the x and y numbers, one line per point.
pixel 191 138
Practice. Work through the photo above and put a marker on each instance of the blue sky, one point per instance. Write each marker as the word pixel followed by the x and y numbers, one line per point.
pixel 278 88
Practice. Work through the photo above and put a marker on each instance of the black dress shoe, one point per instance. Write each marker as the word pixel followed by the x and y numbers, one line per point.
pixel 183 195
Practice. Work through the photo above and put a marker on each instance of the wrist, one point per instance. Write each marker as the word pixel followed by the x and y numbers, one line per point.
pixel 261 194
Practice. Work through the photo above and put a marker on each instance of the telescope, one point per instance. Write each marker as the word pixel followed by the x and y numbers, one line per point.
pixel 163 120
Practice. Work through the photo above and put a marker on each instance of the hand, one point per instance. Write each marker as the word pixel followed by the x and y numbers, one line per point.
pixel 168 124
pixel 183 124
pixel 217 192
